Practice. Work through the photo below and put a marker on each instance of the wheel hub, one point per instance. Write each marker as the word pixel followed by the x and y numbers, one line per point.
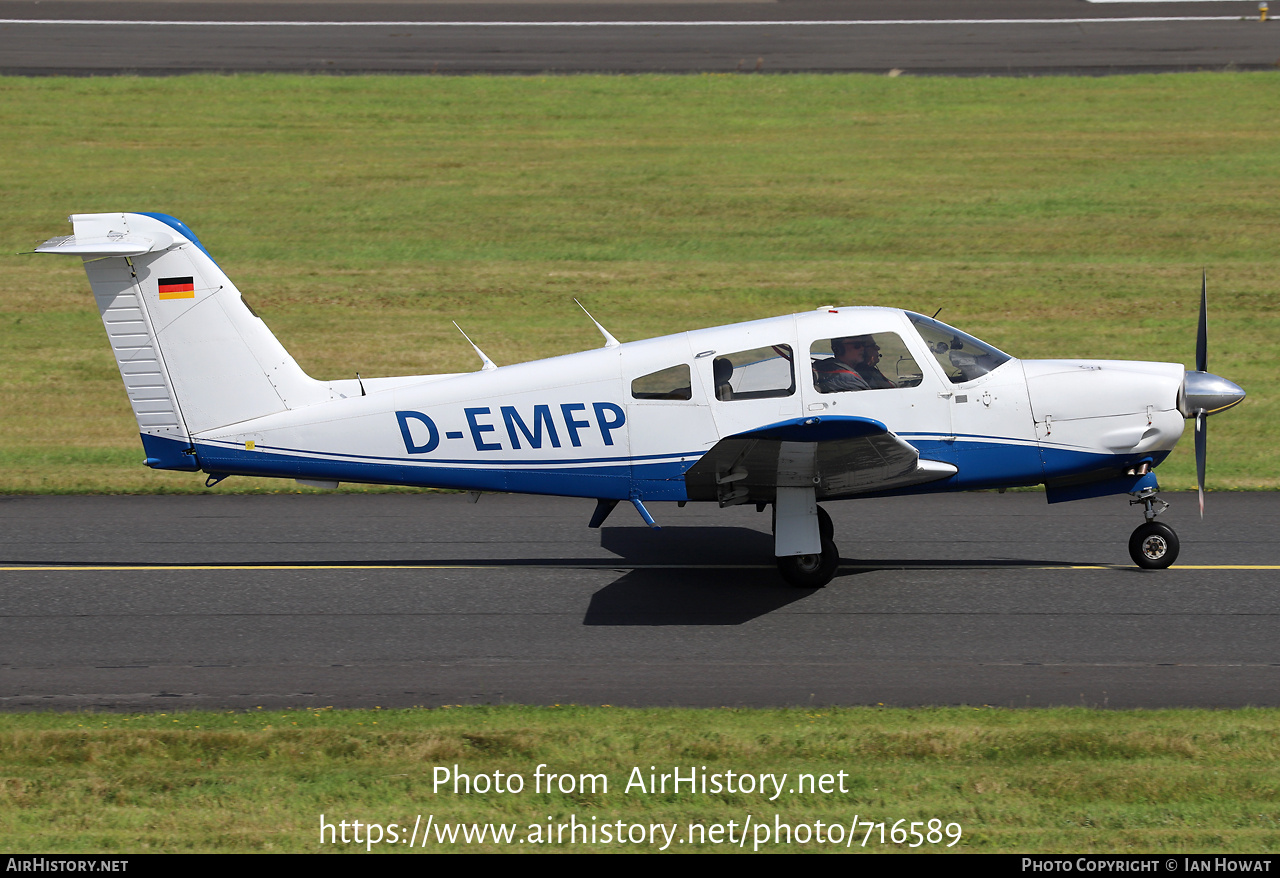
pixel 809 563
pixel 1154 547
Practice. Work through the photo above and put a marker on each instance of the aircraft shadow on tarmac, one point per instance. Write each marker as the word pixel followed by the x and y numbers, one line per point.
pixel 717 576
pixel 700 546
pixel 691 597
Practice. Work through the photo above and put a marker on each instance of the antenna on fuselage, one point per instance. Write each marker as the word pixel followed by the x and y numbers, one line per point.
pixel 936 313
pixel 609 340
pixel 489 365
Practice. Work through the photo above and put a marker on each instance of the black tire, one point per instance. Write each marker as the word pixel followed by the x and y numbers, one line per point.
pixel 826 529
pixel 811 571
pixel 1153 546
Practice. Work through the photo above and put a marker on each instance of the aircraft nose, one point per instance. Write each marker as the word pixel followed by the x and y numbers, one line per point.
pixel 1204 391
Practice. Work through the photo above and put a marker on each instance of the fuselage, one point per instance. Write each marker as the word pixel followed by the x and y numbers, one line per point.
pixel 785 412
pixel 630 420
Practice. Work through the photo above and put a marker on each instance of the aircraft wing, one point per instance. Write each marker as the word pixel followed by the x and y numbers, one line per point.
pixel 837 456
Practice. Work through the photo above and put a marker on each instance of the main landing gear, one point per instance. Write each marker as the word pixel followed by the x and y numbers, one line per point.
pixel 811 569
pixel 1153 546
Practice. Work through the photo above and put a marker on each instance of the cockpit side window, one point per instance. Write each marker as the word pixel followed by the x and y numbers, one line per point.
pixel 759 373
pixel 961 356
pixel 670 383
pixel 875 361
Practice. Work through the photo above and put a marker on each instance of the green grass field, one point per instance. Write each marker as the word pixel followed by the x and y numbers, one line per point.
pixel 359 215
pixel 1027 781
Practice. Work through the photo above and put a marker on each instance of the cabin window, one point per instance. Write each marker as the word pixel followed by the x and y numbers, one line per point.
pixel 759 373
pixel 672 383
pixel 960 355
pixel 874 361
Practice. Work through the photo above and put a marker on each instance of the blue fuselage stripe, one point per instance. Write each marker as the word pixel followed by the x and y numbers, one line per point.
pixel 573 478
pixel 980 464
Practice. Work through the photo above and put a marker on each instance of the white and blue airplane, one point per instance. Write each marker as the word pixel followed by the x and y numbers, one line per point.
pixel 836 403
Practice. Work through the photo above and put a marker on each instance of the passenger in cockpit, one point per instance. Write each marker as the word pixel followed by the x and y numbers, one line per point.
pixel 869 370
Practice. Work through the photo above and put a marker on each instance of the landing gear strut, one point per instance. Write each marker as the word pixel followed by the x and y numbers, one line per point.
pixel 806 526
pixel 826 529
pixel 1153 546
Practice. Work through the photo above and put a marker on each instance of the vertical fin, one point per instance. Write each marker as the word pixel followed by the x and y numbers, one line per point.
pixel 192 355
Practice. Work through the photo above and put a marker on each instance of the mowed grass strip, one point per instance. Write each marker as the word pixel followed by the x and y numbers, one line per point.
pixel 1055 217
pixel 1064 780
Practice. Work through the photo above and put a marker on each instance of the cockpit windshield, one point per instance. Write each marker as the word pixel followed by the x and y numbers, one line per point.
pixel 961 356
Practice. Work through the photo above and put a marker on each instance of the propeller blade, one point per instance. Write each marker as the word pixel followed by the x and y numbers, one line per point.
pixel 1202 427
pixel 1202 330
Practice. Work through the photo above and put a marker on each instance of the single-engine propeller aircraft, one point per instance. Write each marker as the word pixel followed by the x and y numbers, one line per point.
pixel 832 404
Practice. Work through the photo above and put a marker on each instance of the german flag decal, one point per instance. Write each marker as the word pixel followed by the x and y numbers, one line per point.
pixel 177 288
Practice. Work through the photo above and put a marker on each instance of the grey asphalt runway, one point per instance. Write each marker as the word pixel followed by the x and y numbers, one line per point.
pixel 969 37
pixel 154 603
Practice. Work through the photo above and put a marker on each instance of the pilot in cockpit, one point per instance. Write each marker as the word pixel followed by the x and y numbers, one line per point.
pixel 852 367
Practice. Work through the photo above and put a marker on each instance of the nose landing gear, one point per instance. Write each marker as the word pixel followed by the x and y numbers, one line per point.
pixel 1153 546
